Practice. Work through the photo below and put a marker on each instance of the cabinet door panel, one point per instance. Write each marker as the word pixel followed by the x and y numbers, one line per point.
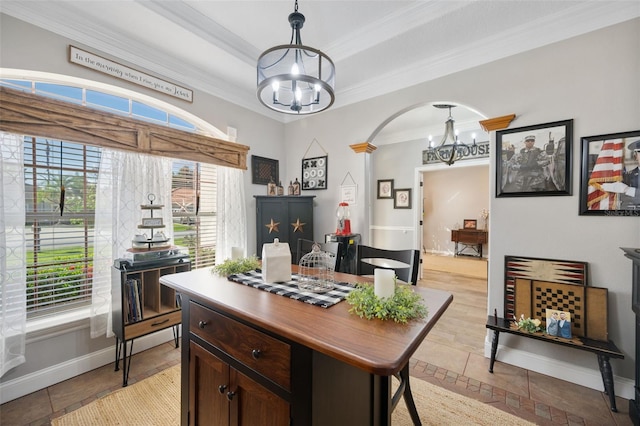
pixel 207 405
pixel 256 405
pixel 301 213
pixel 271 210
pixel 293 216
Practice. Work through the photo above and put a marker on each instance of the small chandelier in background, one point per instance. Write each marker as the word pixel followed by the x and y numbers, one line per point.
pixel 450 149
pixel 294 78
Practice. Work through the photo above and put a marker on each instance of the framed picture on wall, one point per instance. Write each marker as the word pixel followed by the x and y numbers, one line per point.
pixel 402 198
pixel 385 189
pixel 610 175
pixel 534 160
pixel 314 173
pixel 264 170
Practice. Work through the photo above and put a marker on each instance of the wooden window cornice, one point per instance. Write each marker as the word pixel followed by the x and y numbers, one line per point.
pixel 35 115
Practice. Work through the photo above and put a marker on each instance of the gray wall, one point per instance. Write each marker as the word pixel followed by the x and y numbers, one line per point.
pixel 592 79
pixel 450 196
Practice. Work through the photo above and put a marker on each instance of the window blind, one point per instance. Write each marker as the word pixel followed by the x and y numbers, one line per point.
pixel 59 246
pixel 194 193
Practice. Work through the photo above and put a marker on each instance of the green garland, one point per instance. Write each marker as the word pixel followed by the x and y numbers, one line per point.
pixel 402 307
pixel 238 266
pixel 529 325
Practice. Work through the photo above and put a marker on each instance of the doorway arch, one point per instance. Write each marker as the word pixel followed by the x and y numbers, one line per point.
pixel 398 140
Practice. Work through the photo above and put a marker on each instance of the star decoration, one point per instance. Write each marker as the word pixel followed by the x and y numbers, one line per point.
pixel 297 225
pixel 273 226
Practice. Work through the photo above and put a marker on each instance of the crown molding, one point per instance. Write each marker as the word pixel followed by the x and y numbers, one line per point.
pixel 97 39
pixel 195 22
pixel 402 21
pixel 581 18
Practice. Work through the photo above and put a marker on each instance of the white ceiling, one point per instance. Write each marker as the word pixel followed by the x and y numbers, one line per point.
pixel 377 46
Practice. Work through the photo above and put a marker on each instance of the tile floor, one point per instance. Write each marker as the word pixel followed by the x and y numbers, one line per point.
pixel 451 356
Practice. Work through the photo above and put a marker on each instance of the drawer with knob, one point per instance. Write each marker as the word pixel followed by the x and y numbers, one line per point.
pixel 150 325
pixel 262 353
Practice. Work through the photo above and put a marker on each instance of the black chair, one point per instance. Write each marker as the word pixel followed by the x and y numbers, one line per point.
pixel 405 263
pixel 333 247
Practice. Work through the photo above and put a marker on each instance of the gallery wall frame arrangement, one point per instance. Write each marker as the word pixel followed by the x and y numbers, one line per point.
pixel 314 173
pixel 264 170
pixel 385 189
pixel 402 198
pixel 534 160
pixel 610 175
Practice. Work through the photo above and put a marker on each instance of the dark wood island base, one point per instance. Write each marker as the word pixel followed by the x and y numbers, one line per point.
pixel 249 355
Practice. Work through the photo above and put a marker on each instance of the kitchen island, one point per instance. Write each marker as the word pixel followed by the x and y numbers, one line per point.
pixel 252 357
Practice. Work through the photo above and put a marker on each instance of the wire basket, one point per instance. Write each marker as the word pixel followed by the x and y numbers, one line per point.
pixel 316 271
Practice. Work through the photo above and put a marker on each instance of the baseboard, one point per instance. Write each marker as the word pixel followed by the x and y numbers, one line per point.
pixel 559 369
pixel 437 252
pixel 35 381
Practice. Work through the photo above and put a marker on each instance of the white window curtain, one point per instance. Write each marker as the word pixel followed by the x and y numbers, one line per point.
pixel 13 254
pixel 231 215
pixel 124 182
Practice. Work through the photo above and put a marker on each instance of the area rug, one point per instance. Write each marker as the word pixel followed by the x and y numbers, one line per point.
pixel 155 401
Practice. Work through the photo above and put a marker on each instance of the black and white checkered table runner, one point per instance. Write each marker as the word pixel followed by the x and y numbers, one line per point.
pixel 290 289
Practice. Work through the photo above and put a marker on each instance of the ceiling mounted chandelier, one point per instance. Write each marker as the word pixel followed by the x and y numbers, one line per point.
pixel 294 78
pixel 450 149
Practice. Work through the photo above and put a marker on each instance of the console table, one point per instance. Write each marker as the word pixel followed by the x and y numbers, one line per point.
pixel 472 239
pixel 303 363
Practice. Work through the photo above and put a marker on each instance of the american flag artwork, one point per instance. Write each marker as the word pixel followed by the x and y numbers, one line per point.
pixel 608 168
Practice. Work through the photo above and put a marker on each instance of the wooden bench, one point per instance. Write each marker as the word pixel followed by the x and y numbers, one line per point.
pixel 604 350
pixel 587 305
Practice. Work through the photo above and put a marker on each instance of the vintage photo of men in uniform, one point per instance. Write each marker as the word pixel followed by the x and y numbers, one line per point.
pixel 534 161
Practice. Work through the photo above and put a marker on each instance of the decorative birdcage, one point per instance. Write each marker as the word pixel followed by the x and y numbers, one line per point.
pixel 316 271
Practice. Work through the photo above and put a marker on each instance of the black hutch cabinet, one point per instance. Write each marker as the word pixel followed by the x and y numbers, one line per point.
pixel 287 218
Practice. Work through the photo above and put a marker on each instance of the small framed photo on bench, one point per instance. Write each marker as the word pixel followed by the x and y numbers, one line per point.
pixel 558 323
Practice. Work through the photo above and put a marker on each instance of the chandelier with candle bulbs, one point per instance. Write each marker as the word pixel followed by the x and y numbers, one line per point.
pixel 294 78
pixel 450 149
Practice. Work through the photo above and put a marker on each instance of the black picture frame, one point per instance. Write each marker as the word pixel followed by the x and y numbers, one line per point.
pixel 385 189
pixel 617 162
pixel 314 173
pixel 402 198
pixel 521 175
pixel 263 170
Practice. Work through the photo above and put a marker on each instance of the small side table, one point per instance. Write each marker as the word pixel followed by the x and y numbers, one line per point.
pixel 471 239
